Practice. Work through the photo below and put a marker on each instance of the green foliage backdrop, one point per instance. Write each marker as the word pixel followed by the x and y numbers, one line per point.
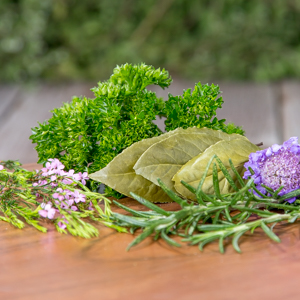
pixel 226 39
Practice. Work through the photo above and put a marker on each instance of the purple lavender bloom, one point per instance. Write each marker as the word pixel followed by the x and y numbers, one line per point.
pixel 276 166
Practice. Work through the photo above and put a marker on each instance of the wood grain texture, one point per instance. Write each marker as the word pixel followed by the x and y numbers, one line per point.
pixel 55 266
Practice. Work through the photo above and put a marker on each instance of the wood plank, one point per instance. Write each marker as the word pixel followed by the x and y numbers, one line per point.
pixel 255 108
pixel 48 266
pixel 291 108
pixel 34 106
pixel 32 166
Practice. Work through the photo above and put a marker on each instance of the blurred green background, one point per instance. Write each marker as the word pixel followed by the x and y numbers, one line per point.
pixel 84 40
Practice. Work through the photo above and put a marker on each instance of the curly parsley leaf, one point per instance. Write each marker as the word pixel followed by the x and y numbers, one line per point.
pixel 197 108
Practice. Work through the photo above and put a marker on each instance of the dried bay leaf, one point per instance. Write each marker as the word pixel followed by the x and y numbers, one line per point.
pixel 237 150
pixel 165 158
pixel 120 175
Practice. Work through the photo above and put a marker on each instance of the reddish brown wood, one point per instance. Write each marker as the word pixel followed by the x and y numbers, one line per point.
pixel 54 266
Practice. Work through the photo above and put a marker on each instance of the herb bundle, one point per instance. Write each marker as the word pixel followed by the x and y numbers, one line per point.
pixel 217 176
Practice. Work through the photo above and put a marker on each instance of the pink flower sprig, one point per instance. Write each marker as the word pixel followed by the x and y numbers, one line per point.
pixel 54 175
pixel 55 168
pixel 54 194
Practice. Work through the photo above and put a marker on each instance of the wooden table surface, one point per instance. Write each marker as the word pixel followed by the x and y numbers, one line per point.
pixel 55 266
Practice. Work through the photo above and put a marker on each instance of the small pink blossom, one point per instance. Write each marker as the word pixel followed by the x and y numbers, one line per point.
pixel 53 177
pixel 61 225
pixel 78 197
pixel 77 176
pixel 48 211
pixel 55 195
pixel 84 178
pixel 62 173
pixel 67 181
pixel 51 213
pixel 60 168
pixel 56 164
pixel 70 173
pixel 58 196
pixel 43 213
pixel 45 172
pixel 70 202
pixel 51 172
pixel 68 194
pixel 64 205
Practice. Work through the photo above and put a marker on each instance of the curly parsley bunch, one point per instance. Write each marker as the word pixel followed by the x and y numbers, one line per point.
pixel 87 134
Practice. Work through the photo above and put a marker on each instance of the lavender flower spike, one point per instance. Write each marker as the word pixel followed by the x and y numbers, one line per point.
pixel 276 166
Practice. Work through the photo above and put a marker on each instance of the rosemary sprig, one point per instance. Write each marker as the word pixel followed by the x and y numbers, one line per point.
pixel 214 217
